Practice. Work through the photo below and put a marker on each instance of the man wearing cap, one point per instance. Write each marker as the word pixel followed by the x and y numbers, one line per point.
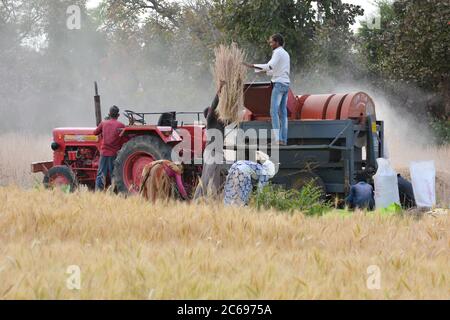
pixel 110 129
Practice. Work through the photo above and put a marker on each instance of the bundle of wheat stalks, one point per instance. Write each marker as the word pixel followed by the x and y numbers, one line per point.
pixel 230 69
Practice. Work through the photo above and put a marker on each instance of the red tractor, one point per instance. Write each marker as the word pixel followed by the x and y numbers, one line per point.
pixel 76 151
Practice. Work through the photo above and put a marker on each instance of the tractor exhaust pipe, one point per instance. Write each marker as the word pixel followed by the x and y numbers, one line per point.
pixel 98 108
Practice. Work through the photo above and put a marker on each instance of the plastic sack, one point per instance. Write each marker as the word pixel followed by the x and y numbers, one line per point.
pixel 423 176
pixel 386 185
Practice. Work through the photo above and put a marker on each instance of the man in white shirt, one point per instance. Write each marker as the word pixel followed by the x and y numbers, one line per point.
pixel 279 68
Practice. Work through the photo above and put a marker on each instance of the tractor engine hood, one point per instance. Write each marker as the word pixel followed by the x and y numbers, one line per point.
pixel 69 135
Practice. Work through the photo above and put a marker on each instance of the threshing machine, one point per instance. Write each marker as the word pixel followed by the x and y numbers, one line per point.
pixel 332 138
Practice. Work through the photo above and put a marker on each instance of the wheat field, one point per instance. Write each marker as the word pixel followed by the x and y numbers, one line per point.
pixel 129 249
pixel 126 248
pixel 17 152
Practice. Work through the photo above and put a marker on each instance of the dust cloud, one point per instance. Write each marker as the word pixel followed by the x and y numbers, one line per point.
pixel 407 135
pixel 47 78
pixel 50 84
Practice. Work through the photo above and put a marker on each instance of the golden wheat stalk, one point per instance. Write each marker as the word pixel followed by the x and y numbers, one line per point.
pixel 229 67
pixel 132 249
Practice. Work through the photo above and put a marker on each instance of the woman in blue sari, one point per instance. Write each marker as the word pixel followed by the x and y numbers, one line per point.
pixel 243 175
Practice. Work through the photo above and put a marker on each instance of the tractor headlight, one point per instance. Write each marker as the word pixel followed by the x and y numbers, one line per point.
pixel 54 146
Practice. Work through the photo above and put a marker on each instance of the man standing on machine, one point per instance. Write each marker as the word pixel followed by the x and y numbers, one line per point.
pixel 279 68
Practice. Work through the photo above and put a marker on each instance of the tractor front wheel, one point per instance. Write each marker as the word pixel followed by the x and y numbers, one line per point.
pixel 61 177
pixel 133 157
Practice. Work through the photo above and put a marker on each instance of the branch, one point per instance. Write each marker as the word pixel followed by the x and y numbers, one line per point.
pixel 10 11
pixel 164 10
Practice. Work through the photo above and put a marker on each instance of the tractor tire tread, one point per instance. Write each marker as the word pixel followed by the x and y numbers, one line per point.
pixel 66 171
pixel 149 143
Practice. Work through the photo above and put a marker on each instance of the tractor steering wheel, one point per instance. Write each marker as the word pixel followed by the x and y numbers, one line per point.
pixel 129 115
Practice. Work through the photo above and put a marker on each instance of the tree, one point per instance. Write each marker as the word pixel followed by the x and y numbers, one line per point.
pixel 250 23
pixel 412 47
pixel 332 53
pixel 169 48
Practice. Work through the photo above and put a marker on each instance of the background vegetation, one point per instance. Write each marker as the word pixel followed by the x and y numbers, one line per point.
pixel 157 54
pixel 310 199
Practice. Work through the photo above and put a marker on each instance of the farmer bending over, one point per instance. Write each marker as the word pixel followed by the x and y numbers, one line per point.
pixel 243 174
pixel 162 180
pixel 361 196
pixel 112 142
pixel 279 68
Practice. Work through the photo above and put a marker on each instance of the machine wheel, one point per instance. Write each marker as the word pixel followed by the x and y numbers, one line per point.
pixel 61 177
pixel 133 157
pixel 303 178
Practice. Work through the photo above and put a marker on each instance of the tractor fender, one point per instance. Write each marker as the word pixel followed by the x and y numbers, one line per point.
pixel 41 166
pixel 167 134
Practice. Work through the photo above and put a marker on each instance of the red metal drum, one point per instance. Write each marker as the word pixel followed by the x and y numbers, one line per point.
pixel 257 101
pixel 300 102
pixel 292 105
pixel 357 106
pixel 334 107
pixel 315 106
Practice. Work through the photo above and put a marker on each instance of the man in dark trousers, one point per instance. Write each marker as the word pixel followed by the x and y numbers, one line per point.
pixel 112 142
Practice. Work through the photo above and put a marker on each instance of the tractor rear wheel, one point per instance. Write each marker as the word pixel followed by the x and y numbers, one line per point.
pixel 133 157
pixel 61 177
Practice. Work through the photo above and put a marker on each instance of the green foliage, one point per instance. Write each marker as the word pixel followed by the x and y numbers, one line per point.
pixel 331 47
pixel 412 43
pixel 309 199
pixel 372 46
pixel 151 54
pixel 250 23
pixel 441 130
pixel 411 47
pixel 420 42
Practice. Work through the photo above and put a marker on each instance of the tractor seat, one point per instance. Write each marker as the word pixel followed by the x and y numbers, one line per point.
pixel 168 119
